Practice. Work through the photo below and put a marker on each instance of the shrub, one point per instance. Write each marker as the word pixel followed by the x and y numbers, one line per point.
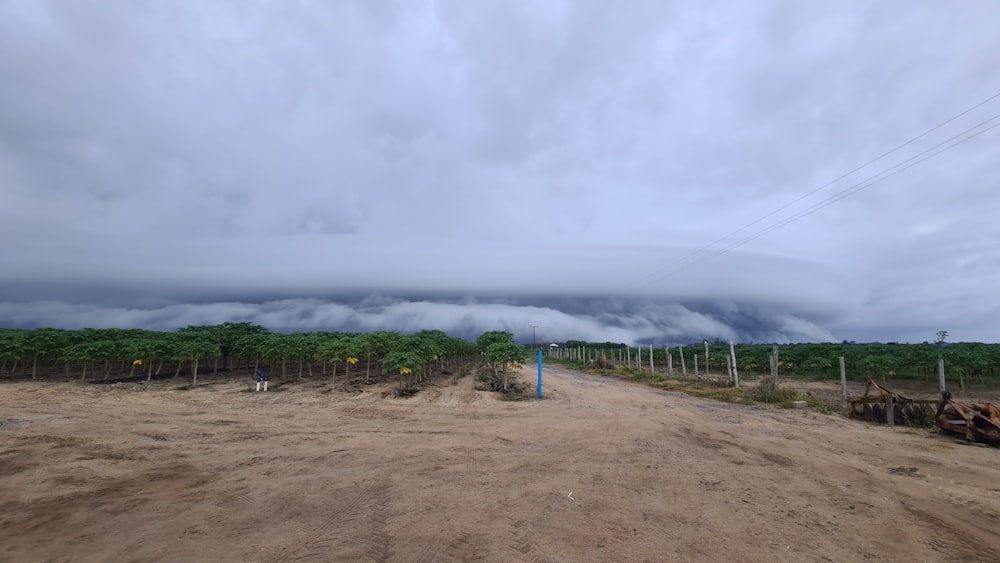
pixel 767 392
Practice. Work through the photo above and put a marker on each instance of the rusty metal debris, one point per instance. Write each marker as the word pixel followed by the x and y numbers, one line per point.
pixel 873 405
pixel 977 422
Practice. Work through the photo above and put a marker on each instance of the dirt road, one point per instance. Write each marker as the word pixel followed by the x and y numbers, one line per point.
pixel 89 473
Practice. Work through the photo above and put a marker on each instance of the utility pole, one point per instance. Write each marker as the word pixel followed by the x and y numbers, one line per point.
pixel 533 347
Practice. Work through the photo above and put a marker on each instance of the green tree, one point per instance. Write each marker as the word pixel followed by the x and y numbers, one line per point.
pixel 376 345
pixel 404 364
pixel 335 349
pixel 503 356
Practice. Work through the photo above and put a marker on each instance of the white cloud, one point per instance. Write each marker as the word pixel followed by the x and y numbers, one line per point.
pixel 206 152
pixel 640 323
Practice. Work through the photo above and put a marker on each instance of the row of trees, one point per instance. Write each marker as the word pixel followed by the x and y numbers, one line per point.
pixel 233 346
pixel 876 359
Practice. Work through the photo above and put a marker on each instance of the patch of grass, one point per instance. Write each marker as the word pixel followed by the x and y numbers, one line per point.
pixel 645 376
pixel 819 404
pixel 766 392
pixel 462 373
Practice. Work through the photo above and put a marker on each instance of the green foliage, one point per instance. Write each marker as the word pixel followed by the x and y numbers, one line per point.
pixel 487 339
pixel 506 354
pixel 822 361
pixel 229 343
pixel 766 392
pixel 502 355
pixel 401 363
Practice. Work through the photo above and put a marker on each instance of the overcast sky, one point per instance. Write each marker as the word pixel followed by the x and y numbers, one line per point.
pixel 479 165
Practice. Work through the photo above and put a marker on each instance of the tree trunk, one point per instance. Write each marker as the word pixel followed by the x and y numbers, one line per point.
pixel 178 372
pixel 194 372
pixel 13 368
pixel 300 369
pixel 149 371
pixel 67 370
pixel 324 368
pixel 34 367
pixel 368 370
pixel 333 381
pixel 131 372
pixel 282 369
pixel 84 376
pixel 215 368
pixel 107 368
pixel 310 365
pixel 3 364
pixel 159 367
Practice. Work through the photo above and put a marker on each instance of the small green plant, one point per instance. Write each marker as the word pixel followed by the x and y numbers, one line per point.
pixel 646 376
pixel 767 392
pixel 463 373
pixel 819 403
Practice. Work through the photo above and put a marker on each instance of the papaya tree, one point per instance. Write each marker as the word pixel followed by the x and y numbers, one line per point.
pixel 230 337
pixel 40 344
pixel 403 364
pixel 81 352
pixel 12 347
pixel 334 350
pixel 302 347
pixel 504 356
pixel 490 338
pixel 252 344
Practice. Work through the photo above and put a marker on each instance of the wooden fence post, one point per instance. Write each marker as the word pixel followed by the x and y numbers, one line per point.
pixel 696 365
pixel 670 360
pixel 774 366
pixel 706 358
pixel 736 372
pixel 941 374
pixel 843 380
pixel 651 369
pixel 684 369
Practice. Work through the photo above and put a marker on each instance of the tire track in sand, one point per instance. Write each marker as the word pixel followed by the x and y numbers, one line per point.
pixel 341 529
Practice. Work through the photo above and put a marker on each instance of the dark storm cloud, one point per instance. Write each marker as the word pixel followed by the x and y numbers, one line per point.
pixel 633 323
pixel 156 156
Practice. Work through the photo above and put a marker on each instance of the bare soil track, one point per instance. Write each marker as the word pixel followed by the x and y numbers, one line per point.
pixel 149 473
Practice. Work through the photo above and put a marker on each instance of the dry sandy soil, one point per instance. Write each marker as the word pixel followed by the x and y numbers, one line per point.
pixel 100 473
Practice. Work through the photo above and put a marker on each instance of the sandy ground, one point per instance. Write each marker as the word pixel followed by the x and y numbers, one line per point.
pixel 99 473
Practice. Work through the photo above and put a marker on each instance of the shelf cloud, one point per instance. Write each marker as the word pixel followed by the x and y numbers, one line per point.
pixel 661 173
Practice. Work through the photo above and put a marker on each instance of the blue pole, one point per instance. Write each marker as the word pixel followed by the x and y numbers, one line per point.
pixel 539 374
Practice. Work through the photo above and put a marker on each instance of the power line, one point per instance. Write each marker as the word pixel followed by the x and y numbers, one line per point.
pixel 872 180
pixel 658 274
pixel 867 183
